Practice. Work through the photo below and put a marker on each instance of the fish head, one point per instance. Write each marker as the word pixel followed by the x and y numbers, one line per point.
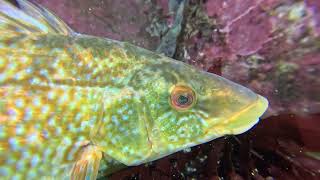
pixel 166 105
pixel 186 107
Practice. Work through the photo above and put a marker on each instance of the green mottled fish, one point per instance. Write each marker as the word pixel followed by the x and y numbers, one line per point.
pixel 70 103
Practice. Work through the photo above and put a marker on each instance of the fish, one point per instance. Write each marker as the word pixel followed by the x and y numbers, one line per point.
pixel 72 103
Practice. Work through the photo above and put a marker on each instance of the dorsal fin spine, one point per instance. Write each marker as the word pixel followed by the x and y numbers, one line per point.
pixel 30 18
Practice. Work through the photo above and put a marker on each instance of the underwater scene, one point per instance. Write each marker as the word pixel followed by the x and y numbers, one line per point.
pixel 160 89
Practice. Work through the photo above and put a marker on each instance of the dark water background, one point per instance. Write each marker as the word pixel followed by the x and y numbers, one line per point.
pixel 270 46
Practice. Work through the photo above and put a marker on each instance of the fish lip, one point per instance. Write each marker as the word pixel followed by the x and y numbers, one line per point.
pixel 250 114
pixel 243 121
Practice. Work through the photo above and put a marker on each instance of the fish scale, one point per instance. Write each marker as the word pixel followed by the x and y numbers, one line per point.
pixel 41 92
pixel 71 104
pixel 43 128
pixel 54 91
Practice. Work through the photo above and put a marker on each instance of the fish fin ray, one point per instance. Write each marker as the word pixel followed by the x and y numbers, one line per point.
pixel 29 19
pixel 44 16
pixel 87 166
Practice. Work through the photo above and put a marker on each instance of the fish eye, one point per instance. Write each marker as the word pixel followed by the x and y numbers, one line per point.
pixel 182 97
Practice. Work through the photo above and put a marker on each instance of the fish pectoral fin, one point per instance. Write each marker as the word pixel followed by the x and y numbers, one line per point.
pixel 87 166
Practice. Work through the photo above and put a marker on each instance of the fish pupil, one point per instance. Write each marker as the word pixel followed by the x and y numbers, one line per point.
pixel 183 100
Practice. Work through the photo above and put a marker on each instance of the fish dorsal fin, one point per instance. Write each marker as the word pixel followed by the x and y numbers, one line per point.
pixel 30 18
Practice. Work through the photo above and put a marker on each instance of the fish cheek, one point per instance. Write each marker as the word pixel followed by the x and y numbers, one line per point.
pixel 122 132
pixel 174 131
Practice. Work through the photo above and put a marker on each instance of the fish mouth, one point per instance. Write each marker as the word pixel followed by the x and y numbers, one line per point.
pixel 240 122
pixel 248 117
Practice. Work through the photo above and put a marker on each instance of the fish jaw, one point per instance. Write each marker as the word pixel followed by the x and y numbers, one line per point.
pixel 240 122
pixel 235 108
pixel 248 117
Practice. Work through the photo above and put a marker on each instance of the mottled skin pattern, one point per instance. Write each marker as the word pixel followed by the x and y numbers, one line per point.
pixel 67 98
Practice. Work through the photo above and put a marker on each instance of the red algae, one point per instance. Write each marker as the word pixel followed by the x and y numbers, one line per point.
pixel 254 27
pixel 314 7
pixel 121 20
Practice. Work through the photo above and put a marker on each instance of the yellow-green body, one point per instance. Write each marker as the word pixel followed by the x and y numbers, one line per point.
pixel 51 99
pixel 67 99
